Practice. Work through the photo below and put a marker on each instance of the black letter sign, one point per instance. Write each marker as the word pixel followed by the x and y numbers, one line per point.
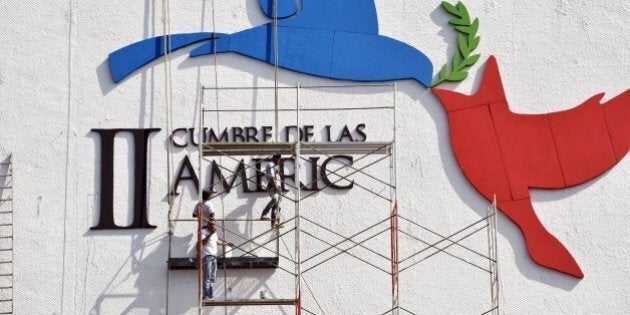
pixel 106 217
pixel 324 173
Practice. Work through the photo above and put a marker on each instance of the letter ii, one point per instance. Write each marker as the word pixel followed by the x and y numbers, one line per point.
pixel 106 216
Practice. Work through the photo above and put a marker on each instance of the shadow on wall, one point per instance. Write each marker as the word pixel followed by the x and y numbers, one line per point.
pixel 147 270
pixel 254 14
pixel 183 290
pixel 147 256
pixel 441 17
pixel 526 265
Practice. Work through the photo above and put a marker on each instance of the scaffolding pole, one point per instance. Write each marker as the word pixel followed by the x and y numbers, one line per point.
pixel 298 219
pixel 493 253
pixel 394 215
pixel 394 259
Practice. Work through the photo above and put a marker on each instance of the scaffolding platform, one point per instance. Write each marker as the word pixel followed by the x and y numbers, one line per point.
pixel 258 302
pixel 289 148
pixel 227 263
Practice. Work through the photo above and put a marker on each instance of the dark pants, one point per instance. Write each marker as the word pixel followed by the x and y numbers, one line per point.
pixel 209 275
pixel 273 206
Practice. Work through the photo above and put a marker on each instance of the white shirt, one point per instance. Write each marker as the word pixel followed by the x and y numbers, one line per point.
pixel 211 247
pixel 207 208
pixel 272 171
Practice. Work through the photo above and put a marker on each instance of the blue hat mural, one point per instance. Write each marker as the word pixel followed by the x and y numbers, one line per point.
pixel 336 39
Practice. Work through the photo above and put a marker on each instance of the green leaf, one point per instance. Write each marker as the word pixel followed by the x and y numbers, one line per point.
pixel 467 42
pixel 460 22
pixel 437 82
pixel 444 73
pixel 457 62
pixel 463 12
pixel 473 43
pixel 450 8
pixel 463 29
pixel 458 76
pixel 472 60
pixel 474 28
pixel 463 45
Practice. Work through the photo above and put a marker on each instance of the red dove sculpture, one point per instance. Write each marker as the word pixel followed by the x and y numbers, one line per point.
pixel 505 154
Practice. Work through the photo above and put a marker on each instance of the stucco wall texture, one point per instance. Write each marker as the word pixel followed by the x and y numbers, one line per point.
pixel 55 87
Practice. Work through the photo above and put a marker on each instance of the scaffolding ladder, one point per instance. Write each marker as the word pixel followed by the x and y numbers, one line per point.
pixel 455 239
pixel 6 237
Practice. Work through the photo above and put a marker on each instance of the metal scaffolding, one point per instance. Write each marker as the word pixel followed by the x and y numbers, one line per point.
pixel 455 239
pixel 382 152
pixel 297 150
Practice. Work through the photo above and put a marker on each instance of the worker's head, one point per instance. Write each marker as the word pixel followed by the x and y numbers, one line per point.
pixel 276 158
pixel 206 195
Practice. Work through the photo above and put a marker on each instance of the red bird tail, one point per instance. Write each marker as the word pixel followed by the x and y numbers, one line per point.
pixel 543 247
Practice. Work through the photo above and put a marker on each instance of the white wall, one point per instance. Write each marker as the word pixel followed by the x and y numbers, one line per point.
pixel 55 87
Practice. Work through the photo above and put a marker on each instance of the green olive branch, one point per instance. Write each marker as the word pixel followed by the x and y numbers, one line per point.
pixel 467 42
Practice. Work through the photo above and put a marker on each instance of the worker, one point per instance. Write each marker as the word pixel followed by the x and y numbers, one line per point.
pixel 273 188
pixel 206 207
pixel 210 241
